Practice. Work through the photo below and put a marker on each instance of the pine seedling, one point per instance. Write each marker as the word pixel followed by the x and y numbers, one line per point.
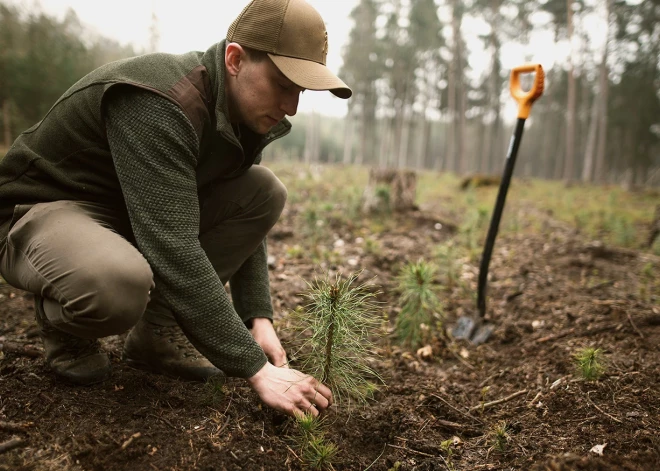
pixel 319 453
pixel 499 436
pixel 315 451
pixel 336 325
pixel 214 390
pixel 590 363
pixel 308 428
pixel 419 303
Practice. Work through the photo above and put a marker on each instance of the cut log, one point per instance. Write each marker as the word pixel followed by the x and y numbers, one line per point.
pixel 390 190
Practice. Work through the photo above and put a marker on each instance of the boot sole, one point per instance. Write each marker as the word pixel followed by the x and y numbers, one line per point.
pixel 77 381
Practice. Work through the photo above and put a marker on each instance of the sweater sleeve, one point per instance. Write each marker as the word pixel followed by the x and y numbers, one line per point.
pixel 155 152
pixel 250 287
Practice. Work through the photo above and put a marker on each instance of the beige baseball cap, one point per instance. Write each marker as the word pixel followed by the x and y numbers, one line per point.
pixel 293 34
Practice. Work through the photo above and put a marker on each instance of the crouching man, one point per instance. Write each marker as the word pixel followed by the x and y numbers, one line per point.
pixel 139 196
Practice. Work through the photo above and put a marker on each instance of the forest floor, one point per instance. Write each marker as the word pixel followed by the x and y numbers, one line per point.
pixel 552 291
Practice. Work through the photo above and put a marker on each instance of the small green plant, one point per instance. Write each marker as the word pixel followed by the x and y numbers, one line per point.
pixel 448 268
pixel 499 436
pixel 447 448
pixel 316 452
pixel 295 251
pixel 624 232
pixel 384 198
pixel 214 390
pixel 589 362
pixel 372 246
pixel 647 270
pixel 336 325
pixel 484 393
pixel 308 427
pixel 319 453
pixel 419 303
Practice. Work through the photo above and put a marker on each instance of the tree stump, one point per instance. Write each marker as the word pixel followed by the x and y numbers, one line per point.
pixel 390 190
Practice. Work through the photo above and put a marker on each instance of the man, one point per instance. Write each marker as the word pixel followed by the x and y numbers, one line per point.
pixel 137 197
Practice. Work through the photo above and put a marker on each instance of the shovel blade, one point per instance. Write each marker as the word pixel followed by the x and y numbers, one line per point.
pixel 464 328
pixel 482 334
pixel 473 330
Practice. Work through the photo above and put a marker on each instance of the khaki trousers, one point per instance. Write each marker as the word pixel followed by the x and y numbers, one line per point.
pixel 79 258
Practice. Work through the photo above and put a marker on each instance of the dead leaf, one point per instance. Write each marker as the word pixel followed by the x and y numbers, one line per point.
pixel 425 353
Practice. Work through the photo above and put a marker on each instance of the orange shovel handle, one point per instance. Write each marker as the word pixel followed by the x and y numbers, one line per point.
pixel 525 99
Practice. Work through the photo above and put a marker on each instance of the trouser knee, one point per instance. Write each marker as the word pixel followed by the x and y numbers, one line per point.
pixel 111 301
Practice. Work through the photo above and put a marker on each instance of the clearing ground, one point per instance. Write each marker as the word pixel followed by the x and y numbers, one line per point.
pixel 552 291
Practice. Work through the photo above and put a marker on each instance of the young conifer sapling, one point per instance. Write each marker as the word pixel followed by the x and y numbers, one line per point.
pixel 336 326
pixel 419 302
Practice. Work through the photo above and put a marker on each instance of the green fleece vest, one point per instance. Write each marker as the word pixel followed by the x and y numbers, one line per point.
pixel 66 155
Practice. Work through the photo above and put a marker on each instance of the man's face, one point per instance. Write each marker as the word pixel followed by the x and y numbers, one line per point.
pixel 262 95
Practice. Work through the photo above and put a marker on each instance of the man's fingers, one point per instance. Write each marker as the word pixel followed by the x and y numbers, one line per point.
pixel 311 409
pixel 324 391
pixel 320 401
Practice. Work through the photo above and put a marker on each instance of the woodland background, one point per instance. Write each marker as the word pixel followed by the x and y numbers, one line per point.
pixel 427 95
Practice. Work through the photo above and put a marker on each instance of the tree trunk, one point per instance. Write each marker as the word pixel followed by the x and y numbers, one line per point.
pixel 569 157
pixel 462 127
pixel 654 229
pixel 603 89
pixel 312 147
pixel 6 123
pixel 559 155
pixel 348 137
pixel 587 170
pixel 385 142
pixel 402 151
pixel 450 152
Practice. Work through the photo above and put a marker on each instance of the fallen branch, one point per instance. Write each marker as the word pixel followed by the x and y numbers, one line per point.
pixel 164 420
pixel 13 427
pixel 499 401
pixel 470 416
pixel 413 451
pixel 584 333
pixel 11 444
pixel 602 411
pixel 18 349
pixel 465 429
pixel 130 440
pixel 599 286
pixel 633 325
pixel 555 336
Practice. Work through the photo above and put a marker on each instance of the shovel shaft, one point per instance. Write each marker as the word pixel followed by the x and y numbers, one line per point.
pixel 497 215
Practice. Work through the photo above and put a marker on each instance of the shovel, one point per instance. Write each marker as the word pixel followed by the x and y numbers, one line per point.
pixel 475 329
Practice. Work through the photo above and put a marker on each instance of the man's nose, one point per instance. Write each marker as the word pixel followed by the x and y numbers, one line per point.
pixel 290 103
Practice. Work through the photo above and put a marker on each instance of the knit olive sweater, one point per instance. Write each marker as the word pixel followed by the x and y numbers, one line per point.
pixel 154 148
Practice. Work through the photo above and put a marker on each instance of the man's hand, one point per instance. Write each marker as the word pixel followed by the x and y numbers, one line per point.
pixel 264 334
pixel 290 391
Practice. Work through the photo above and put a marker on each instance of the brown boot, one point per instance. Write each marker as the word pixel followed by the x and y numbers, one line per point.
pixel 73 359
pixel 166 350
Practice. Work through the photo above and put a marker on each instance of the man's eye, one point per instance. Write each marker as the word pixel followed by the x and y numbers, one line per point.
pixel 285 86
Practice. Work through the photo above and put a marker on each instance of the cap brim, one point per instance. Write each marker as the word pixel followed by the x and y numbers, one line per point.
pixel 311 75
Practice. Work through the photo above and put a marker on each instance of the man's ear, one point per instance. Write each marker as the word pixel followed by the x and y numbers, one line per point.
pixel 234 55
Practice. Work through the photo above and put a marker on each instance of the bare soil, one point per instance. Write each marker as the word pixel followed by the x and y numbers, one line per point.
pixel 548 296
